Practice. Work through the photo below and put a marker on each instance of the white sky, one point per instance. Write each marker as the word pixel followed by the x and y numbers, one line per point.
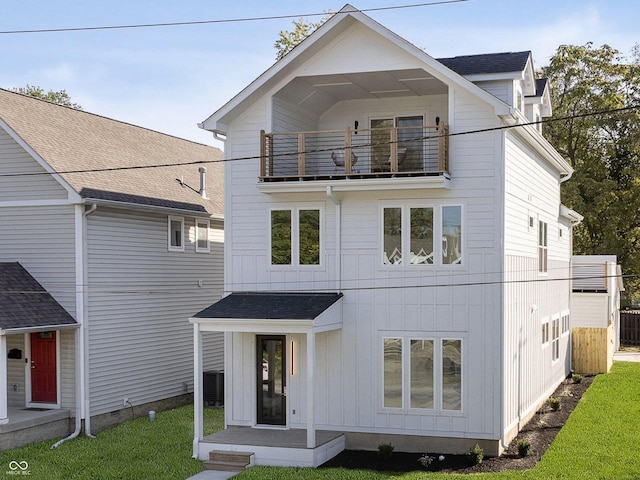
pixel 170 78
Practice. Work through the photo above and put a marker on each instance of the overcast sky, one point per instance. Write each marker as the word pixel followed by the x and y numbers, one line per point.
pixel 170 78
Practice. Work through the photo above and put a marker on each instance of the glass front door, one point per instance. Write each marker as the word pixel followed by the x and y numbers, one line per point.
pixel 271 379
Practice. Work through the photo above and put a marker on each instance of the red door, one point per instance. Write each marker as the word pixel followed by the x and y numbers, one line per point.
pixel 43 367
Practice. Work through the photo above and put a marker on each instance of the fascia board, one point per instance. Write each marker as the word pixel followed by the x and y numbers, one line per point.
pixel 73 196
pixel 342 20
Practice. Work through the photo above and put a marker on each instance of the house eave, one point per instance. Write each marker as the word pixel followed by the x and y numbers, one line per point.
pixel 38 328
pixel 357 185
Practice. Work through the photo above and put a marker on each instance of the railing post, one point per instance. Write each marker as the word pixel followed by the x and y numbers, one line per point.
pixel 393 139
pixel 263 154
pixel 347 151
pixel 301 154
pixel 443 148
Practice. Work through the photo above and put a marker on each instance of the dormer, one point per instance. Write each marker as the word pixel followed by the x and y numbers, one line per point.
pixel 508 75
pixel 538 106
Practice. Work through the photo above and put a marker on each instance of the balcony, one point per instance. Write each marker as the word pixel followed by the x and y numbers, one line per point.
pixel 377 153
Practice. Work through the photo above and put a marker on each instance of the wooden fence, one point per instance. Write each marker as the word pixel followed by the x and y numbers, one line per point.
pixel 592 349
pixel 630 327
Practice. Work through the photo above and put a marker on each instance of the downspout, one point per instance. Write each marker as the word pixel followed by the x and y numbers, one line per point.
pixel 338 204
pixel 81 317
pixel 85 332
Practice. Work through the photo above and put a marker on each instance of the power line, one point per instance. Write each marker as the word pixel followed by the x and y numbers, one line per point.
pixel 321 150
pixel 208 22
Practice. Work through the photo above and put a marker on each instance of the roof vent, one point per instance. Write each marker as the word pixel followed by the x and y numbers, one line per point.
pixel 202 191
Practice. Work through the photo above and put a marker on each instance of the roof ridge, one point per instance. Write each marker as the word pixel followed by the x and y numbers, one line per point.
pixel 29 97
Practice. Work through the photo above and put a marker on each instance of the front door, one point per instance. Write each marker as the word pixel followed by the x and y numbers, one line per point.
pixel 271 379
pixel 43 367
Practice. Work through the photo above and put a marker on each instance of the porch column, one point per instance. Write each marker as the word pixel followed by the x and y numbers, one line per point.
pixel 311 367
pixel 197 390
pixel 4 416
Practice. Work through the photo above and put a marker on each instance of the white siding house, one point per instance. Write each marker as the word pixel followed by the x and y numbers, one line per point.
pixel 127 253
pixel 395 246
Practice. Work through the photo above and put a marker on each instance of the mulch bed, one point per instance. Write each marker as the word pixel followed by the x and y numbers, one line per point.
pixel 539 432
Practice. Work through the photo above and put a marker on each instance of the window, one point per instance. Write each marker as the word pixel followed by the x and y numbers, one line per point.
pixel 555 340
pixel 410 377
pixel 542 247
pixel 408 235
pixel 565 323
pixel 202 236
pixel 295 235
pixel 176 234
pixel 452 235
pixel 545 331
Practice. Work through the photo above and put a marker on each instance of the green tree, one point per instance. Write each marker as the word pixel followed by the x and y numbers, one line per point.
pixel 61 97
pixel 603 149
pixel 288 39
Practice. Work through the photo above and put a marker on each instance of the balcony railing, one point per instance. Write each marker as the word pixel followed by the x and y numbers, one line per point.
pixel 378 152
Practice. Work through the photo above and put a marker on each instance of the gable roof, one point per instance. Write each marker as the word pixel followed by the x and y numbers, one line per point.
pixel 487 63
pixel 69 140
pixel 26 305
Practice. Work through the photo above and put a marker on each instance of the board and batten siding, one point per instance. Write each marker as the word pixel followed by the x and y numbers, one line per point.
pixel 140 298
pixel 532 190
pixel 430 302
pixel 16 162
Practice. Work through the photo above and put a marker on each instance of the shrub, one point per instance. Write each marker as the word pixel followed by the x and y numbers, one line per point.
pixel 426 460
pixel 577 378
pixel 554 403
pixel 385 450
pixel 475 455
pixel 524 447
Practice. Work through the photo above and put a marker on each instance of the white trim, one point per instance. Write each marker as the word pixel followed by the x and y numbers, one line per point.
pixel 170 247
pixel 4 401
pixel 358 185
pixel 36 203
pixel 29 403
pixel 207 228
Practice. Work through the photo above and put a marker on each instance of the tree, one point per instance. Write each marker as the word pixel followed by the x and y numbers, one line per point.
pixel 603 148
pixel 61 97
pixel 288 39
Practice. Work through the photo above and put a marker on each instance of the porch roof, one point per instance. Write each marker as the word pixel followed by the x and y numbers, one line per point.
pixel 272 312
pixel 25 306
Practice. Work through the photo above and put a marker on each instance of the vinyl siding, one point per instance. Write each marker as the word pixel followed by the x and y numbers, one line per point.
pixel 140 299
pixel 15 161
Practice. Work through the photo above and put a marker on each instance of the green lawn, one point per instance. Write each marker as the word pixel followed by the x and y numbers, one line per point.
pixel 601 440
pixel 137 449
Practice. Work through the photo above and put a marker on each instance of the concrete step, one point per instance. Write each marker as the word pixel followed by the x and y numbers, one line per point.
pixel 228 461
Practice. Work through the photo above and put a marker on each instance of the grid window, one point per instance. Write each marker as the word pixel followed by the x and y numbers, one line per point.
pixel 542 247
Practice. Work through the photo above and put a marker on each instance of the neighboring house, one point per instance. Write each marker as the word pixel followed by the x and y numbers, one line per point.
pixel 595 308
pixel 397 257
pixel 121 247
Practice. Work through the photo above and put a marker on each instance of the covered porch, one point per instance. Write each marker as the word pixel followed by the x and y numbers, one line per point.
pixel 273 354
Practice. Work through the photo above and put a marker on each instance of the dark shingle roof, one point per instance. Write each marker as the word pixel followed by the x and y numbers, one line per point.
pixel 541 84
pixel 272 305
pixel 25 304
pixel 487 63
pixel 72 140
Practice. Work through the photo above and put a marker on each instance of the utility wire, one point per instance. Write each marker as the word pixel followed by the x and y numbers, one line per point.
pixel 321 150
pixel 207 22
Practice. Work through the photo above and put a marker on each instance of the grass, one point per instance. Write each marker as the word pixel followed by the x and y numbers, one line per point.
pixel 598 442
pixel 137 449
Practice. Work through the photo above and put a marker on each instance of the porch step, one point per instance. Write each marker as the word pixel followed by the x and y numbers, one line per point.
pixel 228 461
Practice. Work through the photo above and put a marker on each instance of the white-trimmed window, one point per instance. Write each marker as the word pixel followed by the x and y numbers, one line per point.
pixel 566 323
pixel 422 373
pixel 409 233
pixel 295 236
pixel 555 338
pixel 175 227
pixel 545 331
pixel 542 247
pixel 202 236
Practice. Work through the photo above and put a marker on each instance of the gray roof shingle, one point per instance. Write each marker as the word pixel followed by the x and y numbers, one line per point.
pixel 72 140
pixel 24 303
pixel 487 63
pixel 270 305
